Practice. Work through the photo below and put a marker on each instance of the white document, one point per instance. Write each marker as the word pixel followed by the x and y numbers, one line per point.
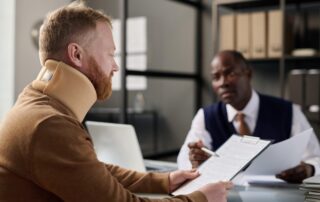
pixel 312 180
pixel 280 156
pixel 234 154
pixel 264 180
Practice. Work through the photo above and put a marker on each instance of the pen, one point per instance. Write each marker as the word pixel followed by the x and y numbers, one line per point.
pixel 209 152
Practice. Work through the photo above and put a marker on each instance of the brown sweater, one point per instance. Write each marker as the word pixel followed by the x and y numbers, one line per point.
pixel 47 155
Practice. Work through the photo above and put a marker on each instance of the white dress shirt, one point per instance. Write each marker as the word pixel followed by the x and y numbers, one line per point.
pixel 299 123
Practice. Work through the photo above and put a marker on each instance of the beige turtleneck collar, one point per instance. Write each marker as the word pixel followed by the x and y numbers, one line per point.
pixel 67 85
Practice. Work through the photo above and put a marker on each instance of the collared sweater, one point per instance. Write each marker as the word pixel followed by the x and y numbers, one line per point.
pixel 47 155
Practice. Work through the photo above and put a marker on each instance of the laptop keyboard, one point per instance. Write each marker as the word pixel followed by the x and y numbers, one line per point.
pixel 160 166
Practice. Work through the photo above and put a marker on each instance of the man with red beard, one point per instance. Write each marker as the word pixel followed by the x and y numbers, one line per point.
pixel 241 110
pixel 45 152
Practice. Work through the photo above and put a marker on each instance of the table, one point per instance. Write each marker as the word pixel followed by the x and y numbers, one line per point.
pixel 255 194
pixel 265 194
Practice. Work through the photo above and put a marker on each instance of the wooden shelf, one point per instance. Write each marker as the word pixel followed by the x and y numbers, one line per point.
pixel 193 3
pixel 292 58
pixel 263 60
pixel 286 57
pixel 240 4
pixel 302 1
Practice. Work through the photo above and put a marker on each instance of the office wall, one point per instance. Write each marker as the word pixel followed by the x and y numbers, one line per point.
pixel 171 29
pixel 207 54
pixel 27 64
pixel 7 16
pixel 171 46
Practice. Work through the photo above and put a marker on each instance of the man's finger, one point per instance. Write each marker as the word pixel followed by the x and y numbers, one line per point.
pixel 228 184
pixel 192 144
pixel 198 152
pixel 195 157
pixel 195 164
pixel 197 144
pixel 191 174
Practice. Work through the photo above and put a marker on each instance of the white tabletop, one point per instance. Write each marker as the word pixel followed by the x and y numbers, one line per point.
pixel 255 194
pixel 265 194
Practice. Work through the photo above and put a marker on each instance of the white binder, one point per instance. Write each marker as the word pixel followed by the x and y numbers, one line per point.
pixel 243 37
pixel 227 32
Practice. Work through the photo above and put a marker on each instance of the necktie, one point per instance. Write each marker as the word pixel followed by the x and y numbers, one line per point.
pixel 243 126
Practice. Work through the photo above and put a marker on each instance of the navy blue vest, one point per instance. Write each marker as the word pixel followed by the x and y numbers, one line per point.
pixel 274 121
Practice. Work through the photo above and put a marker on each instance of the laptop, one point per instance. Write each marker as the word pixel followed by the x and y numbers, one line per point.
pixel 116 144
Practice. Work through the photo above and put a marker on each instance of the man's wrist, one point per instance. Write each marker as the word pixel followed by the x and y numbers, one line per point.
pixel 310 170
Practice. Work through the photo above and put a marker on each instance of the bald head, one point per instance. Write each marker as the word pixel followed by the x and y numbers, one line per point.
pixel 233 57
pixel 231 77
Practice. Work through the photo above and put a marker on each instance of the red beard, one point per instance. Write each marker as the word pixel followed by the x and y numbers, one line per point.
pixel 101 82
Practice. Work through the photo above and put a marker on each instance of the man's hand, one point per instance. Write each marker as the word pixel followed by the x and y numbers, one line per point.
pixel 196 155
pixel 177 178
pixel 216 192
pixel 297 174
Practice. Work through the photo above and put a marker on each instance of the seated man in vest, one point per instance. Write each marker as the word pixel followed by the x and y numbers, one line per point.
pixel 243 111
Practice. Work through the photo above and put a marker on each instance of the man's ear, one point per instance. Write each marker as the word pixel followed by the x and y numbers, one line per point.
pixel 75 54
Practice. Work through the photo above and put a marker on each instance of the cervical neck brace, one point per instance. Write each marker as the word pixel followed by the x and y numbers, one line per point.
pixel 68 85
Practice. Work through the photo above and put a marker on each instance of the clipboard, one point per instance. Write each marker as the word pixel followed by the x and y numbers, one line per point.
pixel 234 155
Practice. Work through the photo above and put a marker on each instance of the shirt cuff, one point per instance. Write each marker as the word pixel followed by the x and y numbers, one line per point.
pixel 315 165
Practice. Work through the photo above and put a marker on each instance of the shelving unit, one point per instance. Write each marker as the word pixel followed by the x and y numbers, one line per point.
pixel 286 61
pixel 238 6
pixel 282 65
pixel 196 76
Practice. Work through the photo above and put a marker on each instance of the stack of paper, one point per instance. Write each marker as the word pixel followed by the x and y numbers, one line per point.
pixel 311 186
pixel 264 180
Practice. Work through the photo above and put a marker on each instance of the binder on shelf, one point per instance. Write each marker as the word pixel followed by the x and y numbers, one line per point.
pixel 313 94
pixel 227 32
pixel 297 86
pixel 243 34
pixel 234 155
pixel 274 33
pixel 258 34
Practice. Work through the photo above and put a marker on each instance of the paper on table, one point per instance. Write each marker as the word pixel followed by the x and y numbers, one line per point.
pixel 234 154
pixel 260 180
pixel 312 180
pixel 280 156
pixel 264 180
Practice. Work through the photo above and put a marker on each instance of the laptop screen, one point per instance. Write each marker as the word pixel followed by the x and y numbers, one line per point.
pixel 116 144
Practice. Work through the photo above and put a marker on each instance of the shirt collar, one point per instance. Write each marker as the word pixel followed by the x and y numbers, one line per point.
pixel 250 110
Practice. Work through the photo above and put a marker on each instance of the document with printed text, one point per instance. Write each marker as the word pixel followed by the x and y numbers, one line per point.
pixel 234 155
